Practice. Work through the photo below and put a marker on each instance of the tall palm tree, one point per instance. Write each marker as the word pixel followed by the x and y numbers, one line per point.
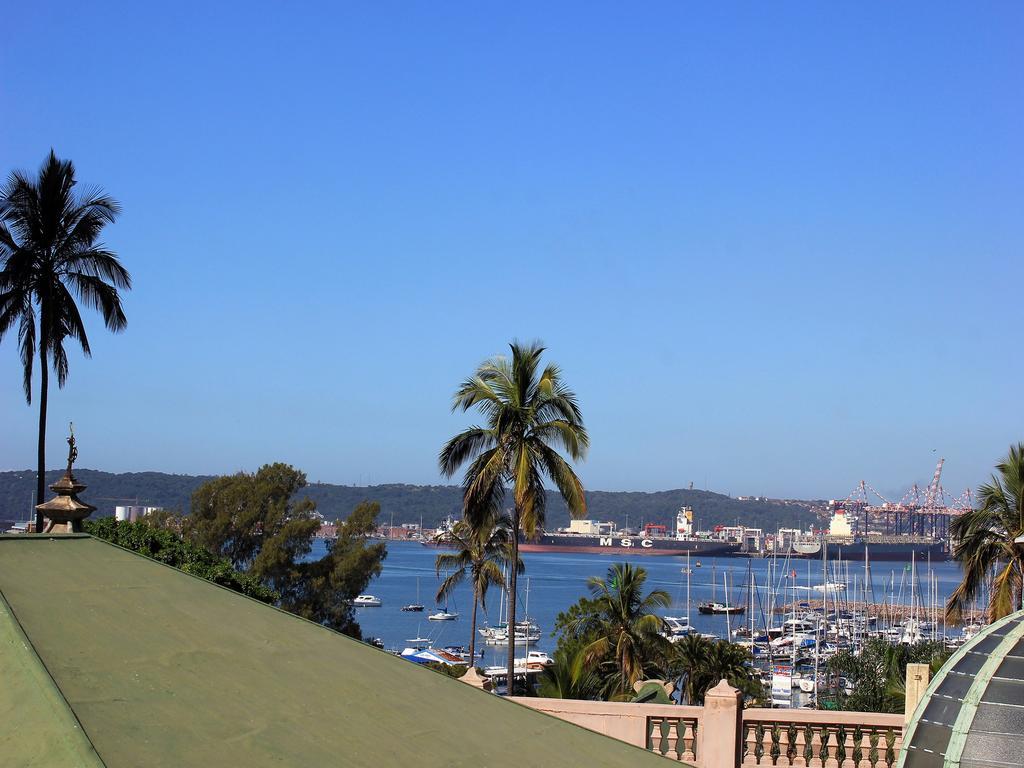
pixel 50 254
pixel 629 645
pixel 986 539
pixel 480 551
pixel 527 412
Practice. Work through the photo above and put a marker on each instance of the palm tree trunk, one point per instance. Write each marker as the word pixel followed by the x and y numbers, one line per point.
pixel 41 473
pixel 472 629
pixel 512 573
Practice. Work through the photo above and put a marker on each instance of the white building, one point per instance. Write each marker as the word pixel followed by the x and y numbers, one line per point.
pixel 133 513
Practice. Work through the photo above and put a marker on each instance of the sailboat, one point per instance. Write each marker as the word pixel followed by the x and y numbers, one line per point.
pixel 443 615
pixel 526 631
pixel 417 606
pixel 715 607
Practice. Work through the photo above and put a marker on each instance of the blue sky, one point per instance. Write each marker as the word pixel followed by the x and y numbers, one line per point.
pixel 775 247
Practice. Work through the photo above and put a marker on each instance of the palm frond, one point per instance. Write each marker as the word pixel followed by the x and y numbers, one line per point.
pixel 562 475
pixel 463 447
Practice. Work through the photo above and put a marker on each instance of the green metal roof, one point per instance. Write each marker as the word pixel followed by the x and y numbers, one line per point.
pixel 109 658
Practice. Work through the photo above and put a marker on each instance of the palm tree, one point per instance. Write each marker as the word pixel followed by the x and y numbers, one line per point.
pixel 629 644
pixel 527 412
pixel 569 677
pixel 987 538
pixel 50 254
pixel 700 663
pixel 689 662
pixel 480 551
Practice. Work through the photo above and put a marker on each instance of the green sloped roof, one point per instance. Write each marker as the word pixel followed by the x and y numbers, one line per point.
pixel 37 727
pixel 163 669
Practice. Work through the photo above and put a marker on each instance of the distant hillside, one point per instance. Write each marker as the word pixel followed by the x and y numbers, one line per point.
pixel 410 503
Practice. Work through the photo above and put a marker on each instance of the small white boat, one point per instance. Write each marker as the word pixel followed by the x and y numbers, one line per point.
pixel 443 615
pixel 535 660
pixel 367 601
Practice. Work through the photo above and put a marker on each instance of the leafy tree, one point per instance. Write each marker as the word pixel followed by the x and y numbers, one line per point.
pixel 254 521
pixel 700 663
pixel 322 590
pixel 985 541
pixel 480 552
pixel 166 546
pixel 527 412
pixel 50 254
pixel 878 673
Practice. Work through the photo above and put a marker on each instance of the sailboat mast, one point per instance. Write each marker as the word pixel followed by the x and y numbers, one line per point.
pixel 687 589
pixel 728 624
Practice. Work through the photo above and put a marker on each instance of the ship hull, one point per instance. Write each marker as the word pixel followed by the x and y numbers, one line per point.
pixel 890 549
pixel 627 545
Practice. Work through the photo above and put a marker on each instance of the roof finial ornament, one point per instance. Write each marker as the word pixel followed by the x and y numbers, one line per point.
pixel 72 447
pixel 66 511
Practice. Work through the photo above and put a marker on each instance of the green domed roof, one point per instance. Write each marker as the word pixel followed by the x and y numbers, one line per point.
pixel 972 715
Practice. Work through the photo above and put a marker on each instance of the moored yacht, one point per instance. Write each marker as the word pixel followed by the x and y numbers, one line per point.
pixel 676 627
pixel 443 615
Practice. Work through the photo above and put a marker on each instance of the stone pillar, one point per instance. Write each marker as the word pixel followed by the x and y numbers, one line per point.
pixel 721 727
pixel 917 682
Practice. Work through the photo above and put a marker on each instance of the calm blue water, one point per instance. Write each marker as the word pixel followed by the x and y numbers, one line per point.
pixel 559 580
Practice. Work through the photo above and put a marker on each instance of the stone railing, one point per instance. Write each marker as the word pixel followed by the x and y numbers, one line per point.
pixel 819 739
pixel 669 730
pixel 722 734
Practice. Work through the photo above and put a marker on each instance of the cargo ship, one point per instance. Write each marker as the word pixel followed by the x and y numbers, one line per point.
pixel 842 544
pixel 602 538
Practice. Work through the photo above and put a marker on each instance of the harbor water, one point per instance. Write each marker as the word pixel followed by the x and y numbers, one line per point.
pixel 556 581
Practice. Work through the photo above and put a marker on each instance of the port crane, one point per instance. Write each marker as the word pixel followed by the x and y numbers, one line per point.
pixel 919 513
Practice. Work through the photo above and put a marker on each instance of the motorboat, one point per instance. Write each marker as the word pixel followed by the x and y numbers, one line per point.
pixel 535 660
pixel 431 655
pixel 367 601
pixel 676 627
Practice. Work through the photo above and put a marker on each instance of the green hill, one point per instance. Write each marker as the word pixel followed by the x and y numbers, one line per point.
pixel 410 503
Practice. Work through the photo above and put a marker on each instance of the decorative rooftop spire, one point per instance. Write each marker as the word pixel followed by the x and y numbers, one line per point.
pixel 72 447
pixel 65 509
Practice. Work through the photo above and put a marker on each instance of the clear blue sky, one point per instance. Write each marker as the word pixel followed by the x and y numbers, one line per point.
pixel 776 247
